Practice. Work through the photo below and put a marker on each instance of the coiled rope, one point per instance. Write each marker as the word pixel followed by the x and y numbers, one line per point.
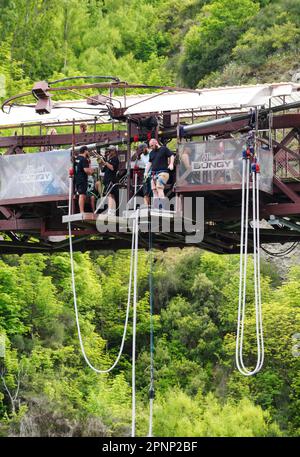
pixel 243 267
pixel 133 272
pixel 97 370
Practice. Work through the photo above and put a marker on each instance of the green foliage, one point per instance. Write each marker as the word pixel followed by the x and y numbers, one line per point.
pixel 195 320
pixel 209 43
pixel 268 37
pixel 195 42
pixel 180 415
pixel 267 51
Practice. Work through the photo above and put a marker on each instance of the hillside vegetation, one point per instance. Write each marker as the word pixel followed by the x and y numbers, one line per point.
pixel 191 42
pixel 45 387
pixel 198 390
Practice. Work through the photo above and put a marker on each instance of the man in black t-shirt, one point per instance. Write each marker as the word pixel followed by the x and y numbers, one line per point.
pixel 161 161
pixel 82 170
pixel 110 168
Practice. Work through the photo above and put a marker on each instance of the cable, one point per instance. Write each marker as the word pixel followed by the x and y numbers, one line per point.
pixel 260 318
pixel 114 78
pixel 282 253
pixel 151 389
pixel 95 99
pixel 134 270
pixel 241 264
pixel 134 318
pixel 96 370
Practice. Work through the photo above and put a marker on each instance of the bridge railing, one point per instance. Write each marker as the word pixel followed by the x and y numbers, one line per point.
pixel 287 166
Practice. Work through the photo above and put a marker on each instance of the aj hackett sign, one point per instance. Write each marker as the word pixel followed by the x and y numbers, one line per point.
pixel 217 164
pixel 35 175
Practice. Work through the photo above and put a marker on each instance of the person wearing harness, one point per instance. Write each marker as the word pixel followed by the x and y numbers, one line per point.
pixel 82 171
pixel 110 168
pixel 92 191
pixel 143 156
pixel 161 159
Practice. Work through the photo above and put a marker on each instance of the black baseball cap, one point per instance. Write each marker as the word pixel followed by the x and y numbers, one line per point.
pixel 142 146
pixel 83 149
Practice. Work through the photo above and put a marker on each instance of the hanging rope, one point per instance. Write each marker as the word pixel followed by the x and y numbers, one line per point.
pixel 135 235
pixel 134 273
pixel 247 156
pixel 151 389
pixel 135 231
pixel 96 370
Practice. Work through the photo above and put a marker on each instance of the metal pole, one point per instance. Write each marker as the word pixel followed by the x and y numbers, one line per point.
pixel 128 157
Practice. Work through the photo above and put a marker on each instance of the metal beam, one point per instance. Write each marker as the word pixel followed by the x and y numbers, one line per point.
pixel 286 121
pixel 110 137
pixel 286 190
pixel 7 213
pixel 281 209
pixel 285 141
pixel 284 148
pixel 284 223
pixel 21 224
pixel 30 200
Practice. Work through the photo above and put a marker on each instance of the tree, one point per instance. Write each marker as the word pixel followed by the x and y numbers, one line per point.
pixel 274 32
pixel 208 45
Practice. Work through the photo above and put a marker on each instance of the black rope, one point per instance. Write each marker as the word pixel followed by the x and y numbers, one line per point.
pixel 283 253
pixel 114 78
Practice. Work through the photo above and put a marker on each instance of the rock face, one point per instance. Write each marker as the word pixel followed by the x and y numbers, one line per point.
pixel 296 76
pixel 282 263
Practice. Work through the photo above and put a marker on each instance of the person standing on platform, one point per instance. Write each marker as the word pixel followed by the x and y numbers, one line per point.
pixel 110 168
pixel 143 155
pixel 82 171
pixel 161 160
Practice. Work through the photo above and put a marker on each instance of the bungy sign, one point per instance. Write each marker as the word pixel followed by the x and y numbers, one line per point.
pixel 34 175
pixel 213 165
pixel 218 163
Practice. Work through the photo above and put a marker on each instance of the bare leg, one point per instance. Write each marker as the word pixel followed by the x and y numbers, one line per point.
pixel 111 202
pixel 93 205
pixel 154 190
pixel 81 202
pixel 160 192
pixel 111 205
pixel 98 187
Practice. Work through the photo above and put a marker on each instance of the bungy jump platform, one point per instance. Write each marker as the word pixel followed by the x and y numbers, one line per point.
pixel 237 152
pixel 207 129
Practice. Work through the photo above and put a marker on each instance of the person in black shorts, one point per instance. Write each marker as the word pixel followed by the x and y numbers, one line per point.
pixel 110 167
pixel 82 170
pixel 161 160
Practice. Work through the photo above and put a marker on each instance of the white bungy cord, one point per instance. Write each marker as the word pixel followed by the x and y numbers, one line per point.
pixel 133 260
pixel 243 273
